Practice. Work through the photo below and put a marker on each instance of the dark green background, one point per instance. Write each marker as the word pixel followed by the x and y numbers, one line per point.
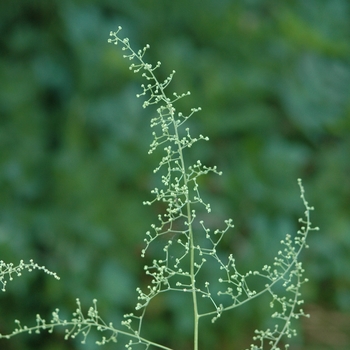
pixel 273 81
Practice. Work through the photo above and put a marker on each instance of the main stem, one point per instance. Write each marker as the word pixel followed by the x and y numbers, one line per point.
pixel 191 239
pixel 193 283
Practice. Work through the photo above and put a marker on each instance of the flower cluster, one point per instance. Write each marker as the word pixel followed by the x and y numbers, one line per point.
pixel 7 271
pixel 187 245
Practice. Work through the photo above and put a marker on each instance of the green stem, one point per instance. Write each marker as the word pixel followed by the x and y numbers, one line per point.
pixel 193 284
pixel 191 239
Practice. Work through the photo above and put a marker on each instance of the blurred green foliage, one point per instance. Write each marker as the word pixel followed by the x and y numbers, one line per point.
pixel 273 81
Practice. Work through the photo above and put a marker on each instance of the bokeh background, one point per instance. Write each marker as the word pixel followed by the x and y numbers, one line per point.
pixel 273 80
